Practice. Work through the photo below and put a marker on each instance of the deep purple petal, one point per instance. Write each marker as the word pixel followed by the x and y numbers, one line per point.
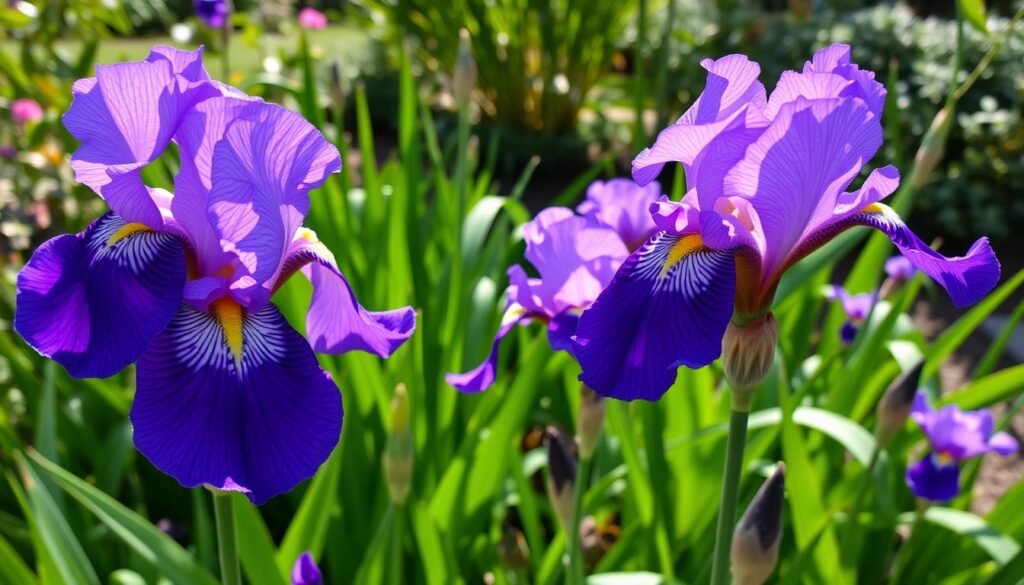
pixel 933 480
pixel 624 206
pixel 259 423
pixel 795 172
pixel 336 322
pixel 93 301
pixel 213 13
pixel 966 278
pixel 481 377
pixel 562 329
pixel 668 306
pixel 305 571
pixel 263 169
pixel 125 118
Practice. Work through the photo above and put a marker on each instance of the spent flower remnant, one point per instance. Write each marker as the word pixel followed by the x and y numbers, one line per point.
pixel 228 393
pixel 305 571
pixel 767 179
pixel 857 308
pixel 25 110
pixel 954 436
pixel 311 18
pixel 213 13
pixel 576 257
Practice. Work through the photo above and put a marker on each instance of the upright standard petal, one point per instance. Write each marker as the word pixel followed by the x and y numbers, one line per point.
pixel 836 59
pixel 336 322
pixel 125 118
pixel 624 206
pixel 263 169
pixel 93 301
pixel 235 400
pixel 667 306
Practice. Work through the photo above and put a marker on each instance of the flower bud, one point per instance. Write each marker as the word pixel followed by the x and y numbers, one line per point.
pixel 512 547
pixel 748 352
pixel 305 571
pixel 755 543
pixel 591 419
pixel 933 146
pixel 465 72
pixel 398 455
pixel 561 475
pixel 894 407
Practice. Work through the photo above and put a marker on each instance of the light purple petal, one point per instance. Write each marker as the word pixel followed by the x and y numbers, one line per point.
pixel 93 301
pixel 967 278
pixel 260 423
pixel 482 377
pixel 900 268
pixel 732 84
pixel 263 169
pixel 305 571
pixel 857 307
pixel 624 206
pixel 336 322
pixel 125 118
pixel 677 218
pixel 1003 444
pixel 933 481
pixel 880 184
pixel 668 306
pixel 812 86
pixel 795 172
pixel 836 59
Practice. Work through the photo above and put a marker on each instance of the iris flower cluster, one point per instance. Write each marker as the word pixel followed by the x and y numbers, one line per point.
pixel 228 394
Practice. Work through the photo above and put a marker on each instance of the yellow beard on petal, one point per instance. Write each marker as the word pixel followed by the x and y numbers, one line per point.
pixel 230 315
pixel 125 231
pixel 684 247
pixel 873 208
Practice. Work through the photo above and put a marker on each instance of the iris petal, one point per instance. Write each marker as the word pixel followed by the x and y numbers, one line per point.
pixel 931 481
pixel 259 422
pixel 668 305
pixel 481 377
pixel 94 300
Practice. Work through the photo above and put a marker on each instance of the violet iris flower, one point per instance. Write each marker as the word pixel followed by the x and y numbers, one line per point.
pixel 305 571
pixel 768 180
pixel 228 393
pixel 954 436
pixel 576 257
pixel 857 308
pixel 213 13
pixel 899 268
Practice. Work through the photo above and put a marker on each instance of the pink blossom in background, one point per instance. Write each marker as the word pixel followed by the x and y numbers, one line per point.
pixel 312 18
pixel 26 110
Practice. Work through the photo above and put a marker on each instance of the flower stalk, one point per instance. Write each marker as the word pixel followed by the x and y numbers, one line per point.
pixel 736 443
pixel 227 538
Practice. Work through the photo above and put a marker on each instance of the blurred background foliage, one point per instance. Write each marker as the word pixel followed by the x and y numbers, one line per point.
pixel 427 212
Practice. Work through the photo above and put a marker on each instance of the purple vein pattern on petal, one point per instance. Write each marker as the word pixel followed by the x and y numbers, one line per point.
pixel 336 322
pixel 263 169
pixel 93 301
pixel 668 306
pixel 624 206
pixel 259 425
pixel 125 118
pixel 795 172
pixel 836 59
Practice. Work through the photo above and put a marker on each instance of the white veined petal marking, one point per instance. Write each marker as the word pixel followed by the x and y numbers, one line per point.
pixel 662 261
pixel 200 341
pixel 133 246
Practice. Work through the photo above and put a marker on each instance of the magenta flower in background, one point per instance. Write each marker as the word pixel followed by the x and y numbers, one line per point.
pixel 857 308
pixel 25 110
pixel 228 393
pixel 767 179
pixel 576 257
pixel 213 13
pixel 311 18
pixel 954 436
pixel 305 571
pixel 899 268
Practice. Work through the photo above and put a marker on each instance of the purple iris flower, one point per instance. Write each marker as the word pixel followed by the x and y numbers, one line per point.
pixel 228 393
pixel 768 179
pixel 305 571
pixel 576 257
pixel 899 268
pixel 213 13
pixel 954 436
pixel 857 308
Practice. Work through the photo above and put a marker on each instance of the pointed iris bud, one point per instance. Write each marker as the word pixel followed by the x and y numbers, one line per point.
pixel 398 455
pixel 894 407
pixel 465 72
pixel 748 352
pixel 561 474
pixel 305 571
pixel 933 146
pixel 755 544
pixel 512 547
pixel 591 419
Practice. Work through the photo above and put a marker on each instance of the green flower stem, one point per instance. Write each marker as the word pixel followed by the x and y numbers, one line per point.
pixel 227 538
pixel 577 574
pixel 850 545
pixel 730 489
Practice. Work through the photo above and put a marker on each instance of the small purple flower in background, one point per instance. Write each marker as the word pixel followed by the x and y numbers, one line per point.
pixel 899 268
pixel 857 308
pixel 767 179
pixel 312 19
pixel 213 13
pixel 954 436
pixel 305 571
pixel 26 110
pixel 576 258
pixel 228 394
